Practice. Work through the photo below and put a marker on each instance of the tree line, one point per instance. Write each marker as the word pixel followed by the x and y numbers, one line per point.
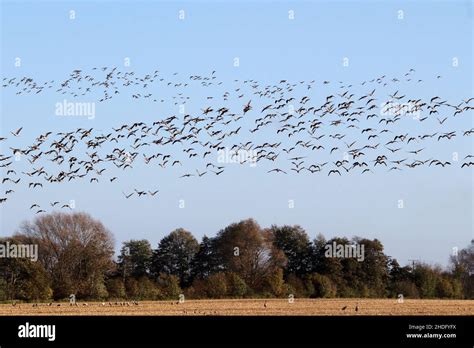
pixel 243 260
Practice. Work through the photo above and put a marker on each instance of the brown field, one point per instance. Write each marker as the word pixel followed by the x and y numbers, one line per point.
pixel 252 307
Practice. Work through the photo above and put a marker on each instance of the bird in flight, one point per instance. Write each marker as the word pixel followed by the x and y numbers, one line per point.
pixel 17 132
pixel 285 120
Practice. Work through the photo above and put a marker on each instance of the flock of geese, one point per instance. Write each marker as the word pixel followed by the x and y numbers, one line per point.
pixel 75 304
pixel 136 303
pixel 285 127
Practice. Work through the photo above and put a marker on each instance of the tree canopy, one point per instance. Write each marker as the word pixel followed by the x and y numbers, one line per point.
pixel 75 256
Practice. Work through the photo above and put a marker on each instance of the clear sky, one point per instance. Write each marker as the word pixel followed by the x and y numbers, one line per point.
pixel 438 202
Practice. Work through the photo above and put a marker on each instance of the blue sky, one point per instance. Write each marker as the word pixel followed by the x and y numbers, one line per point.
pixel 438 212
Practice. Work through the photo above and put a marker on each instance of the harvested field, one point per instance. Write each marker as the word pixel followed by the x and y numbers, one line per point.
pixel 250 307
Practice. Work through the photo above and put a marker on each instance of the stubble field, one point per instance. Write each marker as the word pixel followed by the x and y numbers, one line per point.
pixel 249 307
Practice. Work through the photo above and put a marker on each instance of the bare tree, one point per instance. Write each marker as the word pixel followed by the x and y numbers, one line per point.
pixel 75 250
